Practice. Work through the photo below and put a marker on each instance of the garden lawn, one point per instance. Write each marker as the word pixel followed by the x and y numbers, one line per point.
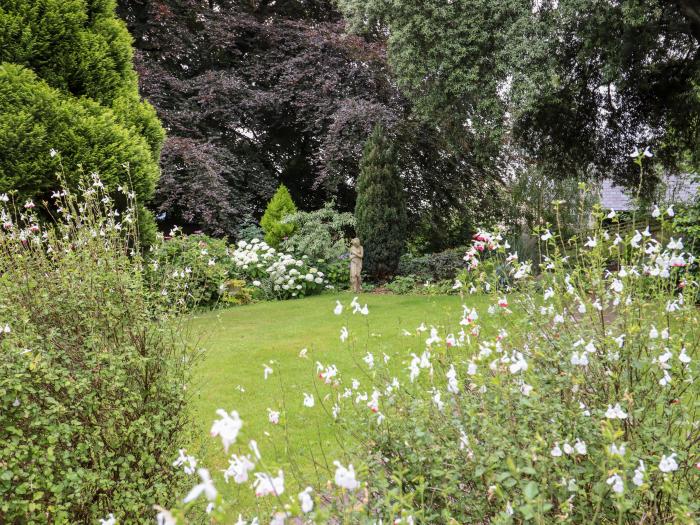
pixel 237 342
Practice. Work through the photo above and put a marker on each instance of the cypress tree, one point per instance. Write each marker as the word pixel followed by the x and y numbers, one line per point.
pixel 277 209
pixel 68 84
pixel 380 210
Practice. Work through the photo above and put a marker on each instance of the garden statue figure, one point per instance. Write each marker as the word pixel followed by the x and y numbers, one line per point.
pixel 357 252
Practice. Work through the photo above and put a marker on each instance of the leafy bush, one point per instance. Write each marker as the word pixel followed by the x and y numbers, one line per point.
pixel 203 261
pixel 277 274
pixel 575 402
pixel 35 119
pixel 280 206
pixel 380 211
pixel 337 272
pixel 433 266
pixel 92 369
pixel 403 284
pixel 319 234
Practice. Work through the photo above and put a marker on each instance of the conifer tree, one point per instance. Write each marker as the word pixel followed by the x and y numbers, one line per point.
pixel 68 87
pixel 380 212
pixel 280 206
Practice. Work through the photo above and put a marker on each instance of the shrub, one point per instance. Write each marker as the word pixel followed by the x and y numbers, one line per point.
pixel 579 409
pixel 277 274
pixel 280 206
pixel 67 84
pixel 92 369
pixel 433 266
pixel 319 234
pixel 204 260
pixel 380 211
pixel 403 284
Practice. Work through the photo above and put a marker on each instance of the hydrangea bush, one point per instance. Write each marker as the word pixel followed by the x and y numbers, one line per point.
pixel 576 403
pixel 280 275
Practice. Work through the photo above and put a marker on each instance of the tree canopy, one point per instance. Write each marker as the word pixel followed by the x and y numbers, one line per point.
pixel 255 94
pixel 569 85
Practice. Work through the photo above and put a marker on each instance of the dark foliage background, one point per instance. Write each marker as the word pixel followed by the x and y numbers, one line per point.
pixel 256 93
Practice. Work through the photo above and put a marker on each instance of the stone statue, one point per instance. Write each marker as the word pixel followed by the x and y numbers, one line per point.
pixel 357 252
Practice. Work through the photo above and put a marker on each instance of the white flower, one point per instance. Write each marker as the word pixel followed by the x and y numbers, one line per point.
pixel 257 283
pixel 670 212
pixel 636 239
pixel 668 464
pixel 548 293
pixel 364 310
pixel 615 412
pixel 206 486
pixel 309 400
pixel 638 478
pixel 238 468
pixel 164 517
pixel 307 503
pixel 525 389
pixel 579 359
pixel 666 379
pixel 591 243
pixel 189 463
pixel 452 383
pixel 615 481
pixel 617 285
pixel 617 451
pixel 547 235
pixel 675 245
pixel 369 359
pixel 683 357
pixel 344 334
pixel 273 416
pixel 345 477
pixel 556 451
pixel 656 213
pixel 580 447
pixel 267 371
pixel 266 485
pixel 568 449
pixel 338 308
pixel 227 427
pixel 519 363
pixel 612 214
pixel 109 520
pixel 653 333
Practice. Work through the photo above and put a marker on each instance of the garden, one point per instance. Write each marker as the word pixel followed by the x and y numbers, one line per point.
pixel 349 262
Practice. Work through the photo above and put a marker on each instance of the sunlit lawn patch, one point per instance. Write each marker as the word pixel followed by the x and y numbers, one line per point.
pixel 238 342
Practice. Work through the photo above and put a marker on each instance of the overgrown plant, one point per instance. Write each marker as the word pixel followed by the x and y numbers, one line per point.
pixel 93 367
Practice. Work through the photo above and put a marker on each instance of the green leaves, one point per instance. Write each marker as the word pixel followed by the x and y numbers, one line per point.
pixel 280 206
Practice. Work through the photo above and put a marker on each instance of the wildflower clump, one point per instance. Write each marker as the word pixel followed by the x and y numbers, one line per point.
pixel 575 402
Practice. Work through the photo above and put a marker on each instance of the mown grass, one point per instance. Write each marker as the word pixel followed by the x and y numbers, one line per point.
pixel 237 343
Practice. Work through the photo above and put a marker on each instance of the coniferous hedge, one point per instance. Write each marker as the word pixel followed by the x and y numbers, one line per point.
pixel 380 212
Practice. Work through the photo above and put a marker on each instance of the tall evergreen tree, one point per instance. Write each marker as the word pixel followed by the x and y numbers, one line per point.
pixel 67 83
pixel 380 212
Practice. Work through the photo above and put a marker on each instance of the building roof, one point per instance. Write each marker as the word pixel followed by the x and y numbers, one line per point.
pixel 680 189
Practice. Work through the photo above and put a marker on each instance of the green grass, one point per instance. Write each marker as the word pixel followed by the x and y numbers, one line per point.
pixel 238 341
